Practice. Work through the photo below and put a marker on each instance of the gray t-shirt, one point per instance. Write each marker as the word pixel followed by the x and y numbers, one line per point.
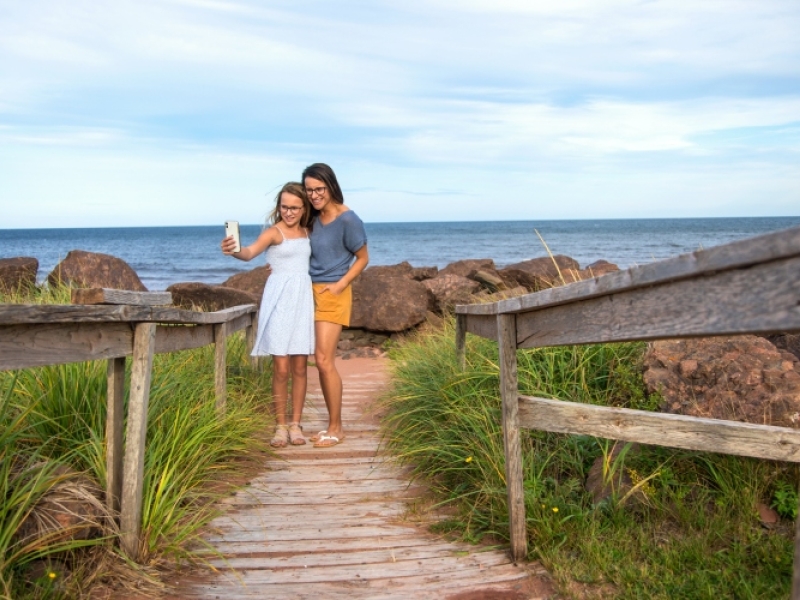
pixel 333 247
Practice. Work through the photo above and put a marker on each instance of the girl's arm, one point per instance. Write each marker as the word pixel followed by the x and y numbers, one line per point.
pixel 267 238
pixel 362 259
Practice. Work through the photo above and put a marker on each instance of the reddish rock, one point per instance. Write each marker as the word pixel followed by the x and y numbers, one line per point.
pixel 514 277
pixel 210 298
pixel 404 269
pixel 790 342
pixel 252 281
pixel 489 279
pixel 18 274
pixel 384 300
pixel 423 273
pixel 555 270
pixel 598 268
pixel 95 270
pixel 449 289
pixel 738 378
pixel 465 267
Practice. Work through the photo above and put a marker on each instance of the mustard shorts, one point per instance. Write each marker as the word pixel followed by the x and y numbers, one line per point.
pixel 330 308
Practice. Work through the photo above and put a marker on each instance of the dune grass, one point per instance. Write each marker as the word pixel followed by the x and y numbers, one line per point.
pixel 688 530
pixel 52 428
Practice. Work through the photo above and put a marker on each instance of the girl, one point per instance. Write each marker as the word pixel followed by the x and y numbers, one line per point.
pixel 338 255
pixel 285 319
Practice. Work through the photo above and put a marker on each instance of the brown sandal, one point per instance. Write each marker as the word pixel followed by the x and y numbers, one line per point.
pixel 296 435
pixel 281 437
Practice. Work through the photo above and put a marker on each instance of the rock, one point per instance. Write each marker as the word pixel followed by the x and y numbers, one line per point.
pixel 18 274
pixel 210 298
pixel 514 277
pixel 465 267
pixel 503 294
pixel 252 281
pixel 423 273
pixel 404 269
pixel 386 300
pixel 95 270
pixel 737 378
pixel 449 289
pixel 599 267
pixel 790 342
pixel 555 270
pixel 607 477
pixel 769 517
pixel 489 279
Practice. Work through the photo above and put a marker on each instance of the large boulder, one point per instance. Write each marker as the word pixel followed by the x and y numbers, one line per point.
pixel 547 271
pixel 449 289
pixel 252 281
pixel 95 270
pixel 737 378
pixel 18 274
pixel 385 299
pixel 598 268
pixel 464 267
pixel 200 296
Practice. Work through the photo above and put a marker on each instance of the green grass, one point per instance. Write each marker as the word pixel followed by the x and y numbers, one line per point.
pixel 690 529
pixel 52 428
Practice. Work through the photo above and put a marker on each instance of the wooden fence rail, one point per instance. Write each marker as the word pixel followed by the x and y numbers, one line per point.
pixel 113 325
pixel 750 286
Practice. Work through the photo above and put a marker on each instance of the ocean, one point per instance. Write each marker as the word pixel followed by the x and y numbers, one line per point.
pixel 166 255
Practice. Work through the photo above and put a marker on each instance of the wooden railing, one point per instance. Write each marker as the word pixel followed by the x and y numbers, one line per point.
pixel 122 324
pixel 751 286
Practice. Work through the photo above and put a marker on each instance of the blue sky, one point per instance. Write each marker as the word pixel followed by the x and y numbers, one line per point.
pixel 190 112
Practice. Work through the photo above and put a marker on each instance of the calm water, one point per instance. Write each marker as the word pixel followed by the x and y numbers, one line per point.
pixel 166 255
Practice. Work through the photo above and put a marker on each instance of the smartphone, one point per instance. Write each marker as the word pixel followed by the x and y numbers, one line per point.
pixel 232 229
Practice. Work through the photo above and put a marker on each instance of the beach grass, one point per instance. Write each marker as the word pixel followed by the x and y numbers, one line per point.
pixel 52 430
pixel 685 527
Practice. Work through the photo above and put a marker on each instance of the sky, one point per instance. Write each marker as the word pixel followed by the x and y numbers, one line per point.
pixel 192 112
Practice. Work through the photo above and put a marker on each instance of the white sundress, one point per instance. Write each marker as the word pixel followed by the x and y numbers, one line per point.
pixel 286 316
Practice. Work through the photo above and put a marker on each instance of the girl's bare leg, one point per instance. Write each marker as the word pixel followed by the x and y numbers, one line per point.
pixel 327 338
pixel 299 366
pixel 280 387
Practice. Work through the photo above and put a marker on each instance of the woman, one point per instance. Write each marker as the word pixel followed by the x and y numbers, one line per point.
pixel 338 255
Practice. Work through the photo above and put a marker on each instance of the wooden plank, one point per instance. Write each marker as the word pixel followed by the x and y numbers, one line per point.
pixel 461 341
pixel 321 533
pixel 509 391
pixel 735 255
pixel 220 367
pixel 115 392
pixel 19 314
pixel 761 299
pixel 174 338
pixel 482 325
pixel 675 431
pixel 133 481
pixel 25 346
pixel 301 546
pixel 109 296
pixel 239 323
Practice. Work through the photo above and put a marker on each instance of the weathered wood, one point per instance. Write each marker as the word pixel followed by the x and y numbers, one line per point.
pixel 483 325
pixel 761 299
pixel 36 345
pixel 220 367
pixel 238 323
pixel 506 336
pixel 109 296
pixel 461 341
pixel 174 338
pixel 115 391
pixel 796 567
pixel 675 431
pixel 133 481
pixel 250 342
pixel 16 314
pixel 735 255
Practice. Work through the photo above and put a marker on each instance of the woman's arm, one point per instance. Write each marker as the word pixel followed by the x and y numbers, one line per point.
pixel 362 259
pixel 267 238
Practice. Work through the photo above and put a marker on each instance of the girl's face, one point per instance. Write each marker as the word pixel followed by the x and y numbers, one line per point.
pixel 291 208
pixel 318 193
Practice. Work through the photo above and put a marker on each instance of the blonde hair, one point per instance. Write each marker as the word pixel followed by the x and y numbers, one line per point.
pixel 295 189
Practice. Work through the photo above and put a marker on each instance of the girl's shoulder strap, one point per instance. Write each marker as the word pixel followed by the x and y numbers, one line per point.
pixel 276 226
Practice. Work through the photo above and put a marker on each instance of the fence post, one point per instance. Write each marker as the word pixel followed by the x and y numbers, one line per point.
pixel 250 341
pixel 220 367
pixel 115 392
pixel 144 341
pixel 796 568
pixel 509 391
pixel 461 341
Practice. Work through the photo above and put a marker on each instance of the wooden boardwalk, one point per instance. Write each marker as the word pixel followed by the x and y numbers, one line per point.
pixel 337 523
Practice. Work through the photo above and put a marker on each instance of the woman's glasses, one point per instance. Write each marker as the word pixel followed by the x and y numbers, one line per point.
pixel 317 190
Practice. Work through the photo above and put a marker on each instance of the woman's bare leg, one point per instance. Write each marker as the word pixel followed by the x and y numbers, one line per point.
pixel 327 338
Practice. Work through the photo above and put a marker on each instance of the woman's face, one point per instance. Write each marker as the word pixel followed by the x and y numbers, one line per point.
pixel 318 193
pixel 291 208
